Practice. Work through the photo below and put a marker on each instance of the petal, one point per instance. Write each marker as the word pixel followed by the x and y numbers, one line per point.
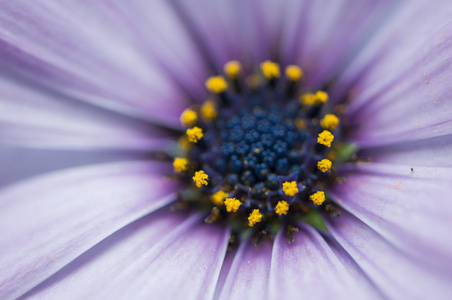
pixel 248 276
pixel 31 115
pixel 81 49
pixel 408 209
pixel 322 40
pixel 410 100
pixel 309 267
pixel 51 220
pixel 396 274
pixel 187 261
pixel 20 163
pixel 89 273
pixel 433 152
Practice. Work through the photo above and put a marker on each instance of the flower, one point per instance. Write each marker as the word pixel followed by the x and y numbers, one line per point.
pixel 114 77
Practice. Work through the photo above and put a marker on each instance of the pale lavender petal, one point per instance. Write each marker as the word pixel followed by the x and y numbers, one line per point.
pixel 20 163
pixel 241 30
pixel 79 48
pixel 186 264
pixel 433 152
pixel 227 263
pixel 397 274
pixel 35 116
pixel 406 101
pixel 411 210
pixel 321 36
pixel 49 221
pixel 248 276
pixel 94 269
pixel 310 269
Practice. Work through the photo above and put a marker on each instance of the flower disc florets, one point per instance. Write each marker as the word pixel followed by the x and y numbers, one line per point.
pixel 264 151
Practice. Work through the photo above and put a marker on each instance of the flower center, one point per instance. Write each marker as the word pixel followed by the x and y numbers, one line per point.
pixel 258 154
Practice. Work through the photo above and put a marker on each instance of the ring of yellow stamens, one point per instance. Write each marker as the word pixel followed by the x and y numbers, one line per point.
pixel 282 208
pixel 208 110
pixel 218 197
pixel 317 198
pixel 232 204
pixel 233 69
pixel 180 164
pixel 294 73
pixel 188 117
pixel 290 188
pixel 255 217
pixel 325 138
pixel 270 69
pixel 194 134
pixel 329 122
pixel 216 84
pixel 324 165
pixel 200 178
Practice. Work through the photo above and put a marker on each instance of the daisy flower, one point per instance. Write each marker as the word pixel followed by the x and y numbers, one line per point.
pixel 225 149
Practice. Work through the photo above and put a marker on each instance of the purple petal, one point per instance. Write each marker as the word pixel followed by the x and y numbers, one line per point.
pixel 94 269
pixel 408 209
pixel 407 100
pixel 186 264
pixel 49 221
pixel 397 274
pixel 81 49
pixel 321 40
pixel 34 116
pixel 309 267
pixel 248 276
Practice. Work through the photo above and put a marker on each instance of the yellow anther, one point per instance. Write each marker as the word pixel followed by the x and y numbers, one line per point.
pixel 255 217
pixel 208 110
pixel 180 164
pixel 325 138
pixel 321 97
pixel 184 143
pixel 318 198
pixel 194 134
pixel 216 84
pixel 233 69
pixel 188 117
pixel 329 122
pixel 200 178
pixel 290 188
pixel 282 207
pixel 270 69
pixel 300 124
pixel 294 73
pixel 232 204
pixel 218 197
pixel 324 165
pixel 307 99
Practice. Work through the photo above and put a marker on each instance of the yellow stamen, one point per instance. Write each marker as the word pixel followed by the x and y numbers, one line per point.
pixel 188 117
pixel 290 188
pixel 325 138
pixel 184 143
pixel 321 97
pixel 216 84
pixel 300 123
pixel 270 69
pixel 282 207
pixel 329 122
pixel 218 197
pixel 255 217
pixel 208 110
pixel 180 164
pixel 200 178
pixel 307 99
pixel 232 204
pixel 294 73
pixel 232 69
pixel 194 134
pixel 318 198
pixel 324 165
